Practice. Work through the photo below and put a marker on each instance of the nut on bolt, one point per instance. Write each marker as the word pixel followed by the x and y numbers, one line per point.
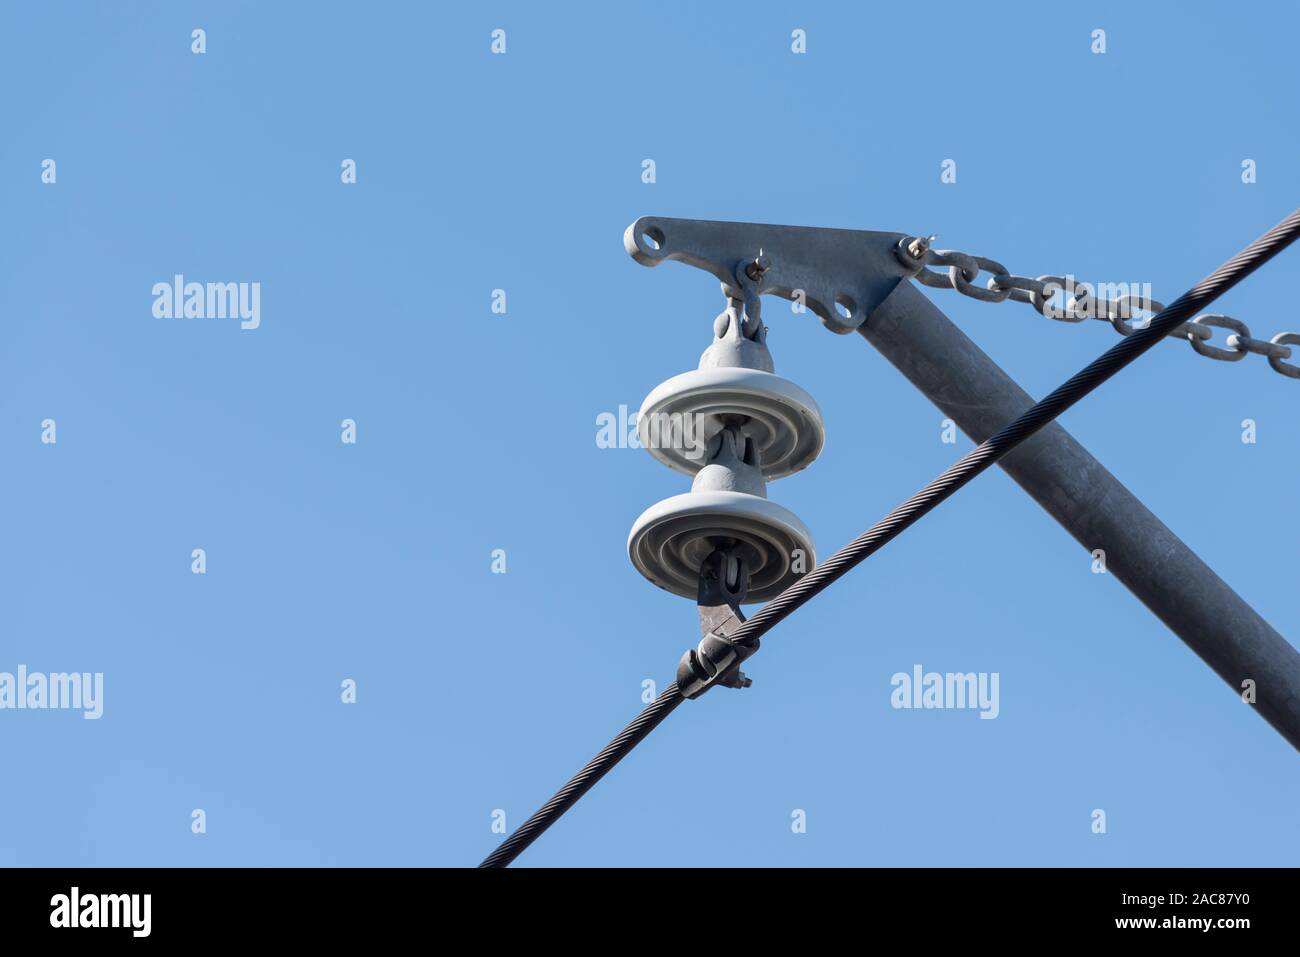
pixel 760 265
pixel 919 246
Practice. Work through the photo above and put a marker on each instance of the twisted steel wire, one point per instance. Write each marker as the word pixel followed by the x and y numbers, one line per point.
pixel 986 454
pixel 584 780
pixel 909 512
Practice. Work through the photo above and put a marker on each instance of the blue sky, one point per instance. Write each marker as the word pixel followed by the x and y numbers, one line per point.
pixel 479 691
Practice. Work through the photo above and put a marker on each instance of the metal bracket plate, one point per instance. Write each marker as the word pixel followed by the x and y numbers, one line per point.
pixel 840 274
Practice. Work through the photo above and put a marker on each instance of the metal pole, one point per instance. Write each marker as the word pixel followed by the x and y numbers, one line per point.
pixel 1092 505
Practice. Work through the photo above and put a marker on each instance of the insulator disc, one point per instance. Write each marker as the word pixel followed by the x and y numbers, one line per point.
pixel 671 539
pixel 783 419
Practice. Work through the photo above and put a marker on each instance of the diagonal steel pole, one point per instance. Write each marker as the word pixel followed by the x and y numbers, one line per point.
pixel 1092 505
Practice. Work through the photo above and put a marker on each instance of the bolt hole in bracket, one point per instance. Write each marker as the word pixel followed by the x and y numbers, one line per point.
pixel 842 275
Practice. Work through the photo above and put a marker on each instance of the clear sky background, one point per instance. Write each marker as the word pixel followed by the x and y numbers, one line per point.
pixel 479 691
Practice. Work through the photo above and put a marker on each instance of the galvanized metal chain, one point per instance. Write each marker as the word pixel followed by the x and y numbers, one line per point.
pixel 916 254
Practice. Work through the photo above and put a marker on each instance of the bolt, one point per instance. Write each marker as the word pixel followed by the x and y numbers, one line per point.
pixel 919 246
pixel 760 265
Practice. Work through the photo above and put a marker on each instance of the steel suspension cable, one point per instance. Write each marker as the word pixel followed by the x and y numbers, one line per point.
pixel 909 512
pixel 582 782
pixel 1029 422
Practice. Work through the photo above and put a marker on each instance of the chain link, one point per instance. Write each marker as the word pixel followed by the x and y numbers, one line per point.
pixel 916 256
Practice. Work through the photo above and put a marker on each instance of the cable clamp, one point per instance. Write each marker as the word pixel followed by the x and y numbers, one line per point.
pixel 724 582
pixel 715 662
